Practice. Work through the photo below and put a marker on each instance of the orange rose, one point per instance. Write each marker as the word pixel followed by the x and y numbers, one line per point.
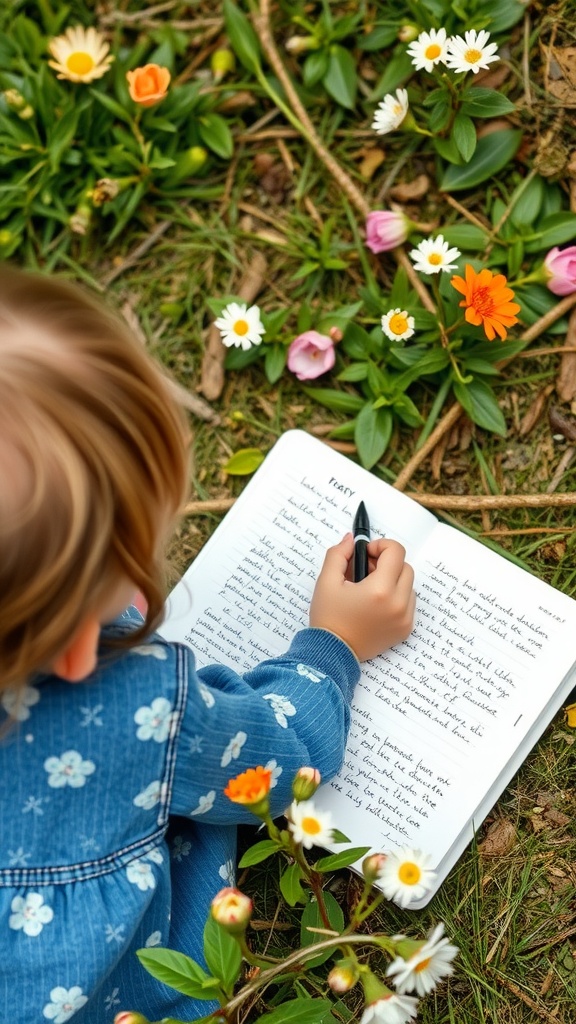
pixel 249 788
pixel 148 85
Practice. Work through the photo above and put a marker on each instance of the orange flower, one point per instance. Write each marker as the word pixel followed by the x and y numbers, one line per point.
pixel 148 85
pixel 487 301
pixel 251 787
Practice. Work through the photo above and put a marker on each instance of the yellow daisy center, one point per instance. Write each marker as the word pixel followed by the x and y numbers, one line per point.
pixel 435 259
pixel 311 826
pixel 398 323
pixel 422 965
pixel 409 873
pixel 241 327
pixel 80 63
pixel 432 52
pixel 472 56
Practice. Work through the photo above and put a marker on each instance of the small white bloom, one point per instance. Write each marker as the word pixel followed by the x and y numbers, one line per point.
pixel 149 797
pixel 397 325
pixel 64 1003
pixel 310 673
pixel 422 971
pixel 68 770
pixel 17 703
pixel 234 749
pixel 154 939
pixel 274 767
pixel 240 326
pixel 390 1009
pixel 471 52
pixel 206 695
pixel 205 803
pixel 308 825
pixel 29 913
pixel 112 1000
pixel 154 721
pixel 390 112
pixel 140 873
pixel 81 54
pixel 227 871
pixel 434 255
pixel 180 848
pixel 405 876
pixel 282 708
pixel 115 933
pixel 428 49
pixel 150 651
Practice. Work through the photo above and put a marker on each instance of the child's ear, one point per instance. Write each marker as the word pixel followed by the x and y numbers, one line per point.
pixel 79 658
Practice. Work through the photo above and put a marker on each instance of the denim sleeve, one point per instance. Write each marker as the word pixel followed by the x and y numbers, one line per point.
pixel 284 714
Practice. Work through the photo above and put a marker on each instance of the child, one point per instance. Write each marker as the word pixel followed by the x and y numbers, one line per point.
pixel 93 469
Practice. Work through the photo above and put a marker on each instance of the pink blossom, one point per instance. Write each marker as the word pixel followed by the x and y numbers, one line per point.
pixel 561 267
pixel 310 355
pixel 386 229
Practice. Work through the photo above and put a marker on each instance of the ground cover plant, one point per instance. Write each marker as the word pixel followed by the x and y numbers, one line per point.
pixel 385 234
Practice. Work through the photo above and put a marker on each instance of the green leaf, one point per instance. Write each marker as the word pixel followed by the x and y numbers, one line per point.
pixel 535 301
pixel 290 885
pixel 300 1011
pixel 222 953
pixel 274 362
pixel 466 236
pixel 515 257
pixel 243 39
pixel 178 971
pixel 354 372
pixel 215 133
pixel 398 69
pixel 448 150
pixel 337 835
pixel 341 860
pixel 311 918
pixel 372 434
pixel 404 408
pixel 112 105
pixel 478 102
pixel 314 68
pixel 492 154
pixel 244 462
pixel 356 342
pixel 555 229
pixel 464 135
pixel 341 80
pixel 479 401
pixel 380 37
pixel 257 853
pixel 440 113
pixel 339 401
pixel 526 202
pixel 62 136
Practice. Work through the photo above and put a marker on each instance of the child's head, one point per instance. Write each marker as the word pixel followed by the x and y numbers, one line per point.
pixel 93 467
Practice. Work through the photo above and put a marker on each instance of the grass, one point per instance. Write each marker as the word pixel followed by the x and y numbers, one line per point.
pixel 512 913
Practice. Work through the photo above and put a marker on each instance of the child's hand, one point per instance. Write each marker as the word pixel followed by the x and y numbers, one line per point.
pixel 370 616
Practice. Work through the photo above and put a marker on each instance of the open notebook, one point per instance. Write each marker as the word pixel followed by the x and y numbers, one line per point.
pixel 441 723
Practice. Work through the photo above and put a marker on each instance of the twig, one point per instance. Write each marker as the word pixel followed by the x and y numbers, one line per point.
pixel 445 424
pixel 540 1010
pixel 466 213
pixel 136 253
pixel 504 532
pixel 526 61
pixel 561 468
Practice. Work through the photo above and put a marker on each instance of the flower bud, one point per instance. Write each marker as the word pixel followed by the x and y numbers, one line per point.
pixel 305 783
pixel 386 229
pixel 301 44
pixel 6 237
pixel 343 976
pixel 14 99
pixel 127 1017
pixel 221 63
pixel 408 33
pixel 80 220
pixel 187 164
pixel 336 334
pixel 559 270
pixel 372 866
pixel 231 909
pixel 104 191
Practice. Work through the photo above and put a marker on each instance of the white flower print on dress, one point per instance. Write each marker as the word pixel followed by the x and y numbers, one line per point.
pixel 234 748
pixel 92 715
pixel 18 858
pixel 207 697
pixel 205 803
pixel 140 873
pixel 115 933
pixel 64 1003
pixel 281 707
pixel 180 848
pixel 30 913
pixel 273 766
pixel 17 703
pixel 112 999
pixel 151 650
pixel 227 872
pixel 150 796
pixel 153 940
pixel 311 673
pixel 154 721
pixel 196 744
pixel 34 804
pixel 68 770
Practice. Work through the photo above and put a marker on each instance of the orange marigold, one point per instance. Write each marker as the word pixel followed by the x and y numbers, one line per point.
pixel 487 301
pixel 250 787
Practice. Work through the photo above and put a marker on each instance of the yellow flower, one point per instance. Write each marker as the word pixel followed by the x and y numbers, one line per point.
pixel 80 55
pixel 570 713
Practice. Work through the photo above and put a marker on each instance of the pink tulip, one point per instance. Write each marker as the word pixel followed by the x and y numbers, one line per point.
pixel 310 355
pixel 386 229
pixel 561 267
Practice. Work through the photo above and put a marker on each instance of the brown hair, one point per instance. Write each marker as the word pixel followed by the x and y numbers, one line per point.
pixel 93 468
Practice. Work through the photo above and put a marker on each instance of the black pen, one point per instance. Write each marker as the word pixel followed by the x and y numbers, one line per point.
pixel 361 531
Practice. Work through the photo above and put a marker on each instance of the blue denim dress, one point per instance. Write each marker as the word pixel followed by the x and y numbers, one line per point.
pixel 115 832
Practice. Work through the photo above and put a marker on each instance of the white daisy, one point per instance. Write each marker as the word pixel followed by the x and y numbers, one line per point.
pixel 390 1009
pixel 471 52
pixel 397 325
pixel 421 965
pixel 309 826
pixel 80 55
pixel 240 326
pixel 434 255
pixel 390 112
pixel 428 49
pixel 405 876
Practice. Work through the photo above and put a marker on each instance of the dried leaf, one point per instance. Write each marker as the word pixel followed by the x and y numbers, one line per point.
pixel 565 56
pixel 407 190
pixel 531 417
pixel 566 381
pixel 556 818
pixel 373 157
pixel 499 840
pixel 560 424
